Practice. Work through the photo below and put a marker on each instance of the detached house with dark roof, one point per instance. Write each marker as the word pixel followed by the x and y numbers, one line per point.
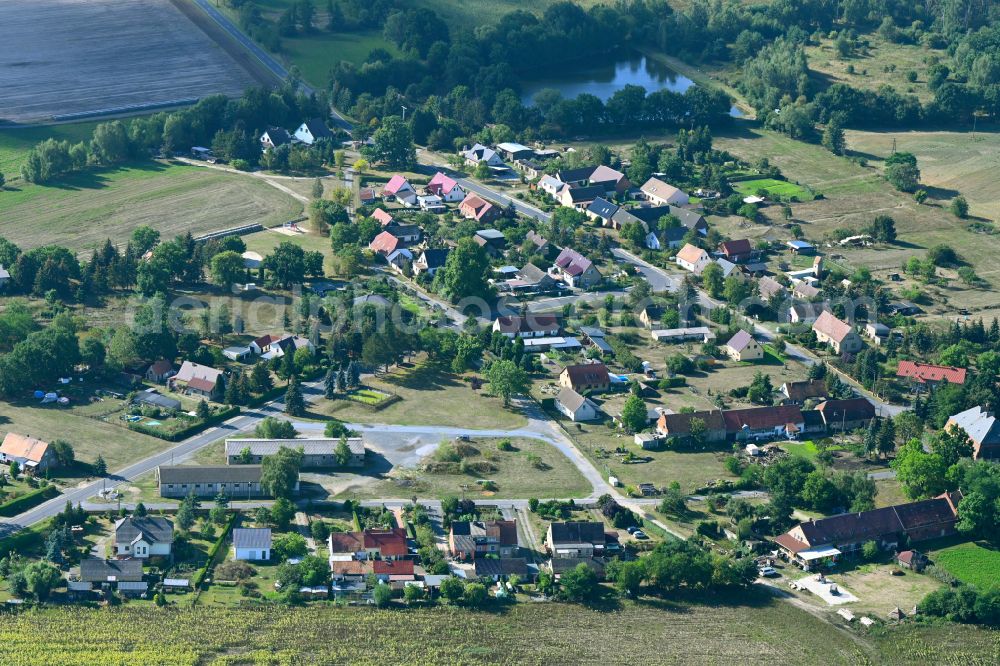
pixel 576 539
pixel 312 131
pixel 143 537
pixel 431 261
pixel 799 392
pixel 736 251
pixel 274 137
pixel 528 326
pixel 845 415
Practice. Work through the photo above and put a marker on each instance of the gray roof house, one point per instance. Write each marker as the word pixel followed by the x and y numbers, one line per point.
pixel 252 543
pixel 316 451
pixel 575 406
pixel 143 536
pixel 236 481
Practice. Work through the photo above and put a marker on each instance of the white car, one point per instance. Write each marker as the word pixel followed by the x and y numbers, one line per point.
pixel 767 572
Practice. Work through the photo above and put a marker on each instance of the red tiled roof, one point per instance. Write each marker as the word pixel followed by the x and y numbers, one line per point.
pixel 925 372
pixel 528 324
pixel 351 568
pixel 680 424
pixel 384 243
pixel 587 373
pixel 382 217
pixel 393 567
pixel 761 417
pixel 199 384
pixel 735 247
pixel 441 184
pixel 346 542
pixel 389 543
pixel 395 184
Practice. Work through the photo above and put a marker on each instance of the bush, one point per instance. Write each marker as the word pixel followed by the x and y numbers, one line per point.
pixel 28 500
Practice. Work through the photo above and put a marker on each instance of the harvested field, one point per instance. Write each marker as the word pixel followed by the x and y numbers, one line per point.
pixel 92 206
pixel 77 56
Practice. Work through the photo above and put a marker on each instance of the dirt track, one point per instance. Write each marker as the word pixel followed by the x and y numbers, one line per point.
pixel 70 56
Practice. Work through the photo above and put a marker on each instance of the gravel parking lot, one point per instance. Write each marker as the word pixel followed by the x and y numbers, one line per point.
pixel 62 57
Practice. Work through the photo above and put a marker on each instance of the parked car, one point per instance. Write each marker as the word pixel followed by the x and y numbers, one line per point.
pixel 768 572
pixel 632 529
pixel 639 534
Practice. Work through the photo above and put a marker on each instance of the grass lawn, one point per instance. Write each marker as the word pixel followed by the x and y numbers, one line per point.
pixel 264 242
pixel 431 395
pixel 878 591
pixel 532 469
pixel 691 470
pixel 16 142
pixel 88 436
pixel 949 162
pixel 781 189
pixel 973 563
pixel 88 208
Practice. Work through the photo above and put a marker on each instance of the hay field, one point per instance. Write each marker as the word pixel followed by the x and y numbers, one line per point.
pixel 71 56
pixel 90 207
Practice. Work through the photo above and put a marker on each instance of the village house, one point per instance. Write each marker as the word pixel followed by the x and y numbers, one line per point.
pixel 603 210
pixel 480 153
pixel 529 326
pixel 197 379
pixel 608 181
pixel 742 347
pixel 650 316
pixel 277 345
pixel 736 251
pixel 367 196
pixel 252 544
pixel 839 335
pixel 596 337
pixel 386 544
pixel 312 131
pixel 803 313
pixel 30 453
pixel 159 371
pixel 800 247
pixel 385 244
pixel 316 451
pixel 476 539
pixel 492 240
pixel 576 270
pixel 692 258
pixel 983 428
pixel 662 194
pixel 430 261
pixel 710 423
pixel 846 415
pixel 816 543
pixel 143 537
pixel 207 481
pixel 576 539
pixel 534 279
pixel 585 378
pixel 474 207
pixel 580 198
pixel 911 559
pixel 575 406
pixel 408 234
pixel 806 291
pixel 877 333
pixel 399 188
pixel 768 288
pixel 125 576
pixel 761 423
pixel 154 399
pixel 798 392
pixel 274 137
pixel 431 203
pixel 383 217
pixel 928 374
pixel 550 185
pixel 445 187
pixel 541 244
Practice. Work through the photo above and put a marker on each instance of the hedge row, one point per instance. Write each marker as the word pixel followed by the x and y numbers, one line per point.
pixel 213 552
pixel 28 500
pixel 192 429
pixel 25 540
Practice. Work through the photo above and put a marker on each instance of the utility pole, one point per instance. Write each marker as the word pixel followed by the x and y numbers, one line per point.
pixel 404 113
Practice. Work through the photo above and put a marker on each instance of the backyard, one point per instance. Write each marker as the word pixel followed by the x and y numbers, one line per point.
pixel 975 563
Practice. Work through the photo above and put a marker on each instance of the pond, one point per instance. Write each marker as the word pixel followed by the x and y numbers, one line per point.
pixel 605 80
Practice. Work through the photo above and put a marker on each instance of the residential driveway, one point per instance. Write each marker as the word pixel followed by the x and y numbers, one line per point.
pixel 658 278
